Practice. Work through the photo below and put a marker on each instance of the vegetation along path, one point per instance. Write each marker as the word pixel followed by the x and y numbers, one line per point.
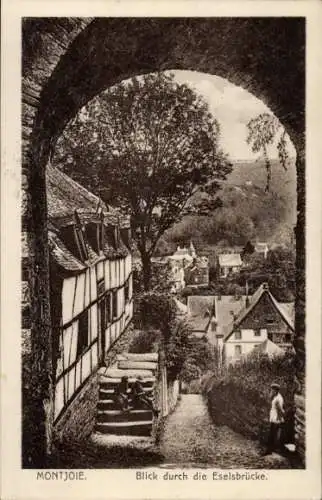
pixel 191 439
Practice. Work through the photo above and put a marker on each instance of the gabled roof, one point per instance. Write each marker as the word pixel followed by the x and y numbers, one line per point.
pixel 263 289
pixel 62 255
pixel 229 260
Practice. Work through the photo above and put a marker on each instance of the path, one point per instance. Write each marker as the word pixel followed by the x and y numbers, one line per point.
pixel 191 439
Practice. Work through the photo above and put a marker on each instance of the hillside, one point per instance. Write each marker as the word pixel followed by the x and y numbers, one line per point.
pixel 248 212
pixel 283 182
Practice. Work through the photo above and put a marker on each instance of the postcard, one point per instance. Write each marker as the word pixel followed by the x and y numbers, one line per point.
pixel 161 255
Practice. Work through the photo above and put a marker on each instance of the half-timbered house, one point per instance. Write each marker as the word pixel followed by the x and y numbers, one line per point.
pixel 90 282
pixel 263 318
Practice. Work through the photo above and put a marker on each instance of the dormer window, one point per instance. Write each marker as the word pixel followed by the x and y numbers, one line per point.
pixel 95 235
pixel 80 242
pixel 110 236
pixel 79 231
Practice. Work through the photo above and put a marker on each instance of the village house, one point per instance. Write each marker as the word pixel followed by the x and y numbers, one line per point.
pixel 211 314
pixel 236 324
pixel 90 282
pixel 262 319
pixel 261 249
pixel 229 264
pixel 186 268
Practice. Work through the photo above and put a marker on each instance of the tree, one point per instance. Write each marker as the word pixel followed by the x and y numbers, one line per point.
pixel 248 249
pixel 263 131
pixel 146 145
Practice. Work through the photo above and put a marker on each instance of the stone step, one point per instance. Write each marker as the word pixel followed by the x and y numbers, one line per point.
pixel 138 428
pixel 110 394
pixel 148 356
pixel 115 416
pixel 119 373
pixel 106 404
pixel 113 383
pixel 137 365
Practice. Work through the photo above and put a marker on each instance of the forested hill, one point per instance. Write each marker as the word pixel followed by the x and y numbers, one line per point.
pixel 283 182
pixel 248 212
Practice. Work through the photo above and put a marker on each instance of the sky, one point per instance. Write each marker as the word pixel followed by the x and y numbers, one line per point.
pixel 233 107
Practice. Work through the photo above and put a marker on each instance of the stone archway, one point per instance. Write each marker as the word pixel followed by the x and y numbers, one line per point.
pixel 66 62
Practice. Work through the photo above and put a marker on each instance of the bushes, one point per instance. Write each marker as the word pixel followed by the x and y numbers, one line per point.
pixel 145 341
pixel 241 398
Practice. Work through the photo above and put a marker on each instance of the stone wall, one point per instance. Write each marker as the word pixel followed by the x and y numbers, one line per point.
pixel 77 422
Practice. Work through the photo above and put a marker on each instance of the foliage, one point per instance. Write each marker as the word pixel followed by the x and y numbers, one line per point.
pixel 145 341
pixel 146 145
pixel 161 279
pixel 262 131
pixel 247 214
pixel 155 310
pixel 186 356
pixel 278 270
pixel 248 249
pixel 200 359
pixel 241 397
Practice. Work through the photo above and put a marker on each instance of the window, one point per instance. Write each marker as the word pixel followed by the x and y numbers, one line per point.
pixel 108 311
pixel 95 236
pixel 73 239
pixel 127 291
pixel 238 350
pixel 83 337
pixel 114 304
pixel 257 332
pixel 213 326
pixel 238 335
pixel 287 337
pixel 270 321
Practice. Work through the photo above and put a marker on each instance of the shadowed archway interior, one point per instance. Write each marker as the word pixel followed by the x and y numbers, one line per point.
pixel 66 62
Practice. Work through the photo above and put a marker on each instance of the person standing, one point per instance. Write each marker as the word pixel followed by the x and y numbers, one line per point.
pixel 276 420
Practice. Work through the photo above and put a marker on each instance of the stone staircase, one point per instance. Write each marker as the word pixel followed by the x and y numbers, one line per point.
pixel 110 419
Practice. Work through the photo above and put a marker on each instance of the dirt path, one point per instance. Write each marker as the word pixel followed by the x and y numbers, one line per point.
pixel 191 439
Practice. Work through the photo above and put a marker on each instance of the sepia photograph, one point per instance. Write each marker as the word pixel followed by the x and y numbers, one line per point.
pixel 163 266
pixel 161 259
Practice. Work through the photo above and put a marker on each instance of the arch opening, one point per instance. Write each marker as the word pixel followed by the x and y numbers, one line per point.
pixel 259 55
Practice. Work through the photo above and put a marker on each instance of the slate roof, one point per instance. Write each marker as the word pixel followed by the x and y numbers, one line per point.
pixel 262 289
pixel 223 307
pixel 64 197
pixel 62 255
pixel 226 307
pixel 229 260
